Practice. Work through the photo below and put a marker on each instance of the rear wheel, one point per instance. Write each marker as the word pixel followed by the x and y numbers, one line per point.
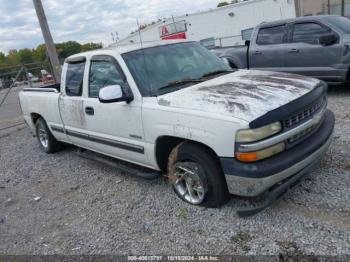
pixel 196 175
pixel 48 143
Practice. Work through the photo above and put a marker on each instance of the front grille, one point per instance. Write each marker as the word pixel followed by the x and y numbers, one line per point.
pixel 305 114
pixel 302 134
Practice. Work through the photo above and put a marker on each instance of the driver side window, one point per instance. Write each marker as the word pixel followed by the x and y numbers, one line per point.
pixel 103 73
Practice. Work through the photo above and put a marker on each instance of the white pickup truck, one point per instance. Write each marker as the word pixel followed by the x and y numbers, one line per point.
pixel 174 107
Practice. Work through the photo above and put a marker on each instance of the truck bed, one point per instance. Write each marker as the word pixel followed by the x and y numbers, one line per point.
pixel 46 88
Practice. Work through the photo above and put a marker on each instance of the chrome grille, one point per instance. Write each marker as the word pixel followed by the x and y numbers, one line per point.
pixel 305 114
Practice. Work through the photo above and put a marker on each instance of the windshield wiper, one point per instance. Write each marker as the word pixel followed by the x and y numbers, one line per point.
pixel 216 73
pixel 180 82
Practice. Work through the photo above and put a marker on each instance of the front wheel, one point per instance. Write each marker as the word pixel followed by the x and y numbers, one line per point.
pixel 196 176
pixel 47 141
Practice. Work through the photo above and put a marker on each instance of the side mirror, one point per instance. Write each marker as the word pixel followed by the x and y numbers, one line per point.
pixel 327 40
pixel 112 94
pixel 247 43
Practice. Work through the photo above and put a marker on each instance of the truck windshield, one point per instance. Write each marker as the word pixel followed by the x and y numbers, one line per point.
pixel 167 68
pixel 340 22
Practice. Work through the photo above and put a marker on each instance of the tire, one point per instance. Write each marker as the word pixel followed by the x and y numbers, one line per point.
pixel 47 141
pixel 194 168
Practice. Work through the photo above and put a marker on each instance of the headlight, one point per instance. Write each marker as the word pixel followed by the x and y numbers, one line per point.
pixel 252 135
pixel 261 154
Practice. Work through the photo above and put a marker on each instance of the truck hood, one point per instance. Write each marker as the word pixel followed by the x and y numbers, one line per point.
pixel 244 94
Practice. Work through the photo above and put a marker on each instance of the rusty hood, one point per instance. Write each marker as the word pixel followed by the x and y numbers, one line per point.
pixel 244 94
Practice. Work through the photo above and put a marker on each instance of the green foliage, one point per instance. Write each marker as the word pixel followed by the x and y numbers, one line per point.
pixel 12 57
pixel 90 46
pixel 66 49
pixel 25 56
pixel 2 59
pixel 39 54
pixel 222 4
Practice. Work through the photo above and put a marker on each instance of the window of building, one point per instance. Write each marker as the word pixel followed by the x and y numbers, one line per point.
pixel 208 42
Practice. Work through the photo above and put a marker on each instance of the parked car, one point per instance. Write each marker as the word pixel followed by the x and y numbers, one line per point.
pixel 317 46
pixel 175 107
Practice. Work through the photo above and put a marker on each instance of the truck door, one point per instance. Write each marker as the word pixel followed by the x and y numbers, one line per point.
pixel 71 102
pixel 115 128
pixel 269 50
pixel 307 56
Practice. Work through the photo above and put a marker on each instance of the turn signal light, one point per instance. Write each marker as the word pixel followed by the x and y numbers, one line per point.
pixel 259 155
pixel 247 157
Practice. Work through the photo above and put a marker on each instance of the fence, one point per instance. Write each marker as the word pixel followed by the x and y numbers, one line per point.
pixel 12 80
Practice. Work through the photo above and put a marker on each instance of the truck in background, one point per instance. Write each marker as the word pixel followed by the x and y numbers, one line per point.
pixel 316 46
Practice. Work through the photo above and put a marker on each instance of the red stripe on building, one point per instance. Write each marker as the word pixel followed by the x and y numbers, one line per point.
pixel 175 36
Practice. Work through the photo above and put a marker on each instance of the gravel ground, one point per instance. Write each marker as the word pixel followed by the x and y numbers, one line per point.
pixel 86 208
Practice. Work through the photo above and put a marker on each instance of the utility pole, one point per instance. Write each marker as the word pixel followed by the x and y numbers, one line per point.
pixel 50 46
pixel 343 7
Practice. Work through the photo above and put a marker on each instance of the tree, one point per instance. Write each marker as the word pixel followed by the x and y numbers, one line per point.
pixel 66 49
pixel 12 57
pixel 25 56
pixel 2 59
pixel 222 4
pixel 40 53
pixel 90 46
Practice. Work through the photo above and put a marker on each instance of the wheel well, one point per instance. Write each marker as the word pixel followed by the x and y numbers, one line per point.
pixel 35 117
pixel 164 146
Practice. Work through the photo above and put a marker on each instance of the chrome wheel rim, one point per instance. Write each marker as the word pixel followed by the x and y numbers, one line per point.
pixel 187 182
pixel 42 135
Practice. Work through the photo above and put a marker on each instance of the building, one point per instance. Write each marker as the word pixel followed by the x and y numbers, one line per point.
pixel 322 7
pixel 224 26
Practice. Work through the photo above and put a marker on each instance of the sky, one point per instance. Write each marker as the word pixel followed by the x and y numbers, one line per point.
pixel 85 20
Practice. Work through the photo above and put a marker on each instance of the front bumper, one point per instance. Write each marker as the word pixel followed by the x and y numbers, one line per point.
pixel 251 180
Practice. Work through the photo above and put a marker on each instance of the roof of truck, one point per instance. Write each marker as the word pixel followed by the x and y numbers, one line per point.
pixel 121 49
pixel 297 19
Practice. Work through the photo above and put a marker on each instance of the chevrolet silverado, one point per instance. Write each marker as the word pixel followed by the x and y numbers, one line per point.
pixel 174 107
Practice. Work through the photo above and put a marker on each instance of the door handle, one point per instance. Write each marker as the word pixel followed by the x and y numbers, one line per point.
pixel 89 110
pixel 257 53
pixel 293 51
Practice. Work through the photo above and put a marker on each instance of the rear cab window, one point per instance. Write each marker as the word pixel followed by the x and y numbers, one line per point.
pixel 75 76
pixel 309 32
pixel 272 35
